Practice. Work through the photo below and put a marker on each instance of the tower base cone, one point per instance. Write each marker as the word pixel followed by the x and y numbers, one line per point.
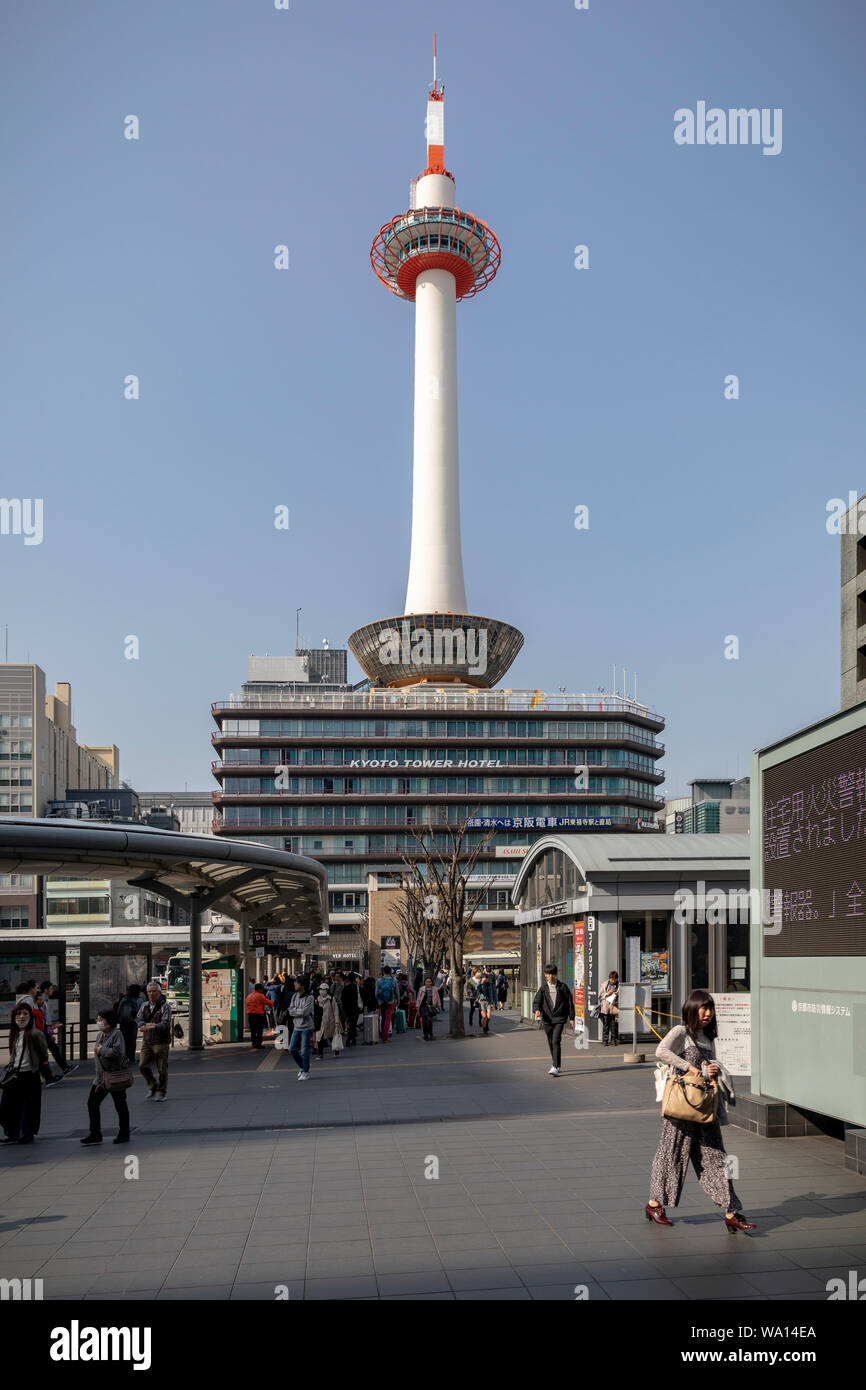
pixel 437 648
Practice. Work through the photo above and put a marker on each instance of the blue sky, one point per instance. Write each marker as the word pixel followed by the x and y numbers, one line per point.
pixel 601 387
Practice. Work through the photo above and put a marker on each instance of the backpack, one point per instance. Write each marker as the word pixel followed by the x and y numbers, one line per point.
pixel 386 989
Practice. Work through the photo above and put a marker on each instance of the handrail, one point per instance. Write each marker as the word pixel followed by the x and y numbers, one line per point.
pixel 435 698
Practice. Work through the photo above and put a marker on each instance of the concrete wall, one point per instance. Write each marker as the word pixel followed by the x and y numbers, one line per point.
pixel 853 632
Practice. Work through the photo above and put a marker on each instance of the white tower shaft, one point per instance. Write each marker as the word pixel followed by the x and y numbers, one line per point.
pixel 436 561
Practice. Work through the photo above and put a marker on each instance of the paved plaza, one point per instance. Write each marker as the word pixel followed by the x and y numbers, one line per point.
pixel 249 1181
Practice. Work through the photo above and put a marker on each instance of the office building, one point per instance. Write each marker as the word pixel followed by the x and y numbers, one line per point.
pixel 40 757
pixel 853 632
pixel 715 806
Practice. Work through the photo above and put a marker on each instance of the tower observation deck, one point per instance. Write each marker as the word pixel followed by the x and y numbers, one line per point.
pixel 434 255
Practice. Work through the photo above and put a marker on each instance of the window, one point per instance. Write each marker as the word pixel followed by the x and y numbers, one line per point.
pixel 77 907
pixel 737 958
pixel 15 918
pixel 646 958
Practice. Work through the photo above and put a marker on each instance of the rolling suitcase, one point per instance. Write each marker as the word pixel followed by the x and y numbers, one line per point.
pixel 399 1020
pixel 413 1010
pixel 371 1028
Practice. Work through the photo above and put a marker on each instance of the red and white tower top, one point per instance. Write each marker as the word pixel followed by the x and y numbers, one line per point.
pixel 435 234
pixel 436 126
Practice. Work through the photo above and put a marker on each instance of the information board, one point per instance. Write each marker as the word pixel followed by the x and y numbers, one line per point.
pixel 655 971
pixel 734 1040
pixel 579 970
pixel 814 849
pixel 18 964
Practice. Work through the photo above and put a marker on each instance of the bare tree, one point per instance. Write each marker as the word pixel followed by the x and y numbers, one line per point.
pixel 421 931
pixel 439 877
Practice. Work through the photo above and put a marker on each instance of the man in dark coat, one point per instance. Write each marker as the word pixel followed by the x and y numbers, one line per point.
pixel 554 1005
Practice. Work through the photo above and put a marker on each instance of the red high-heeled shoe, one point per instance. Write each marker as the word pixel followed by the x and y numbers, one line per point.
pixel 738 1222
pixel 657 1214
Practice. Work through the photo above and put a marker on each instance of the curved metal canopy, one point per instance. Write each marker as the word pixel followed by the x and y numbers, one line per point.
pixel 255 883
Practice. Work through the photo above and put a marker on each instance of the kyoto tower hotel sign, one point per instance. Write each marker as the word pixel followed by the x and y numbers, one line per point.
pixel 434 255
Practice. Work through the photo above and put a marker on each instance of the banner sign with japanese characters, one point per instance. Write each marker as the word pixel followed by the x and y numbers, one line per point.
pixel 535 822
pixel 814 849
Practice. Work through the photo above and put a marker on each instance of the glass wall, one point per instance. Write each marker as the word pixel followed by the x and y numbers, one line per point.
pixel 737 959
pixel 645 959
pixel 315 727
pixel 558 949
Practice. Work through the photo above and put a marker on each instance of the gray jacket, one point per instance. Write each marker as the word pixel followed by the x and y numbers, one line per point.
pixel 301 1011
pixel 111 1055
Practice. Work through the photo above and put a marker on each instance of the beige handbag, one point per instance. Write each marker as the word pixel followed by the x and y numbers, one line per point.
pixel 688 1099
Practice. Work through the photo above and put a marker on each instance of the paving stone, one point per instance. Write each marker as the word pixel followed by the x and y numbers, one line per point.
pixel 643 1289
pixel 504 1278
pixel 360 1286
pixel 720 1285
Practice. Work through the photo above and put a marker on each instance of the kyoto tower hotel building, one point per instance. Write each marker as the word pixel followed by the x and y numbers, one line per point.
pixel 344 772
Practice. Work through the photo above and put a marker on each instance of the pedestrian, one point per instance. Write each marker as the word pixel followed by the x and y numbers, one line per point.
pixel 284 999
pixel 154 1022
pixel 472 993
pixel 386 998
pixel 554 1005
pixel 52 1017
pixel 501 989
pixel 486 1002
pixel 368 995
pixel 331 1028
pixel 301 1013
pixel 256 1007
pixel 429 1004
pixel 418 980
pixel 337 990
pixel 127 1008
pixel 608 1003
pixel 26 993
pixel 41 1024
pixel 353 1007
pixel 110 1060
pixel 21 1103
pixel 690 1048
pixel 272 990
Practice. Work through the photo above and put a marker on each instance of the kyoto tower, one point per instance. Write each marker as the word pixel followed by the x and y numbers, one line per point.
pixel 433 256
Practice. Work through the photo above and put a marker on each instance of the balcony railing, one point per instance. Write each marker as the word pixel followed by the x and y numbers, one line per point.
pixel 247 769
pixel 432 697
pixel 454 741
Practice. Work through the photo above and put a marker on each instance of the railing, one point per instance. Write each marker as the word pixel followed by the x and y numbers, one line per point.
pixel 435 698
pixel 333 800
pixel 634 734
pixel 506 770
